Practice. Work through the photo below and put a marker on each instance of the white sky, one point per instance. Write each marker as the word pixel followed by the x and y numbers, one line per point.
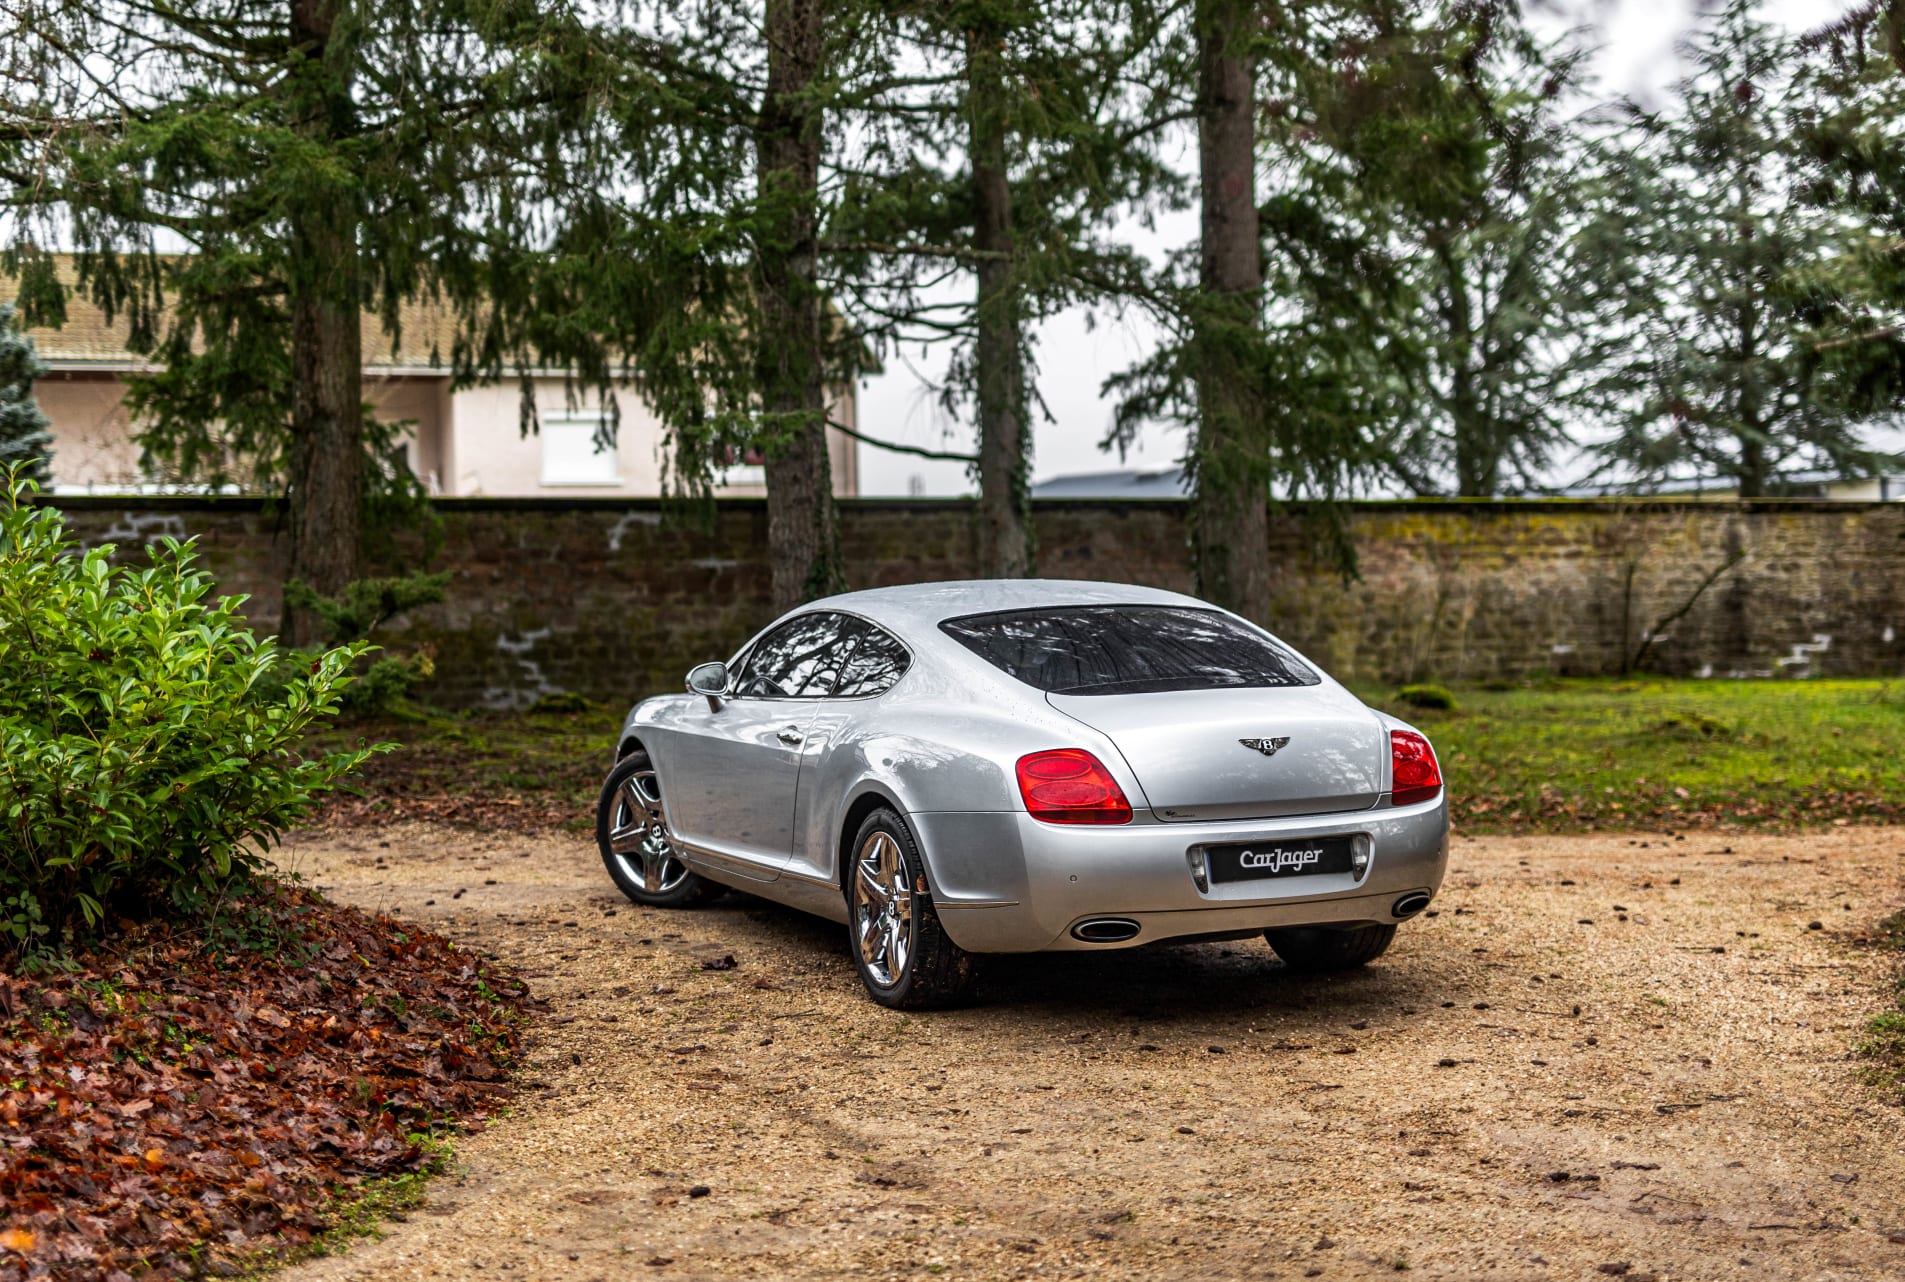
pixel 1636 56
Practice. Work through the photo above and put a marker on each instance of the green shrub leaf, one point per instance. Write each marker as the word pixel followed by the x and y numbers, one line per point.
pixel 146 755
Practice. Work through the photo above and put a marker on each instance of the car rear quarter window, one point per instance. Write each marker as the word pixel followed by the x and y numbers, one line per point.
pixel 801 659
pixel 876 663
pixel 1128 649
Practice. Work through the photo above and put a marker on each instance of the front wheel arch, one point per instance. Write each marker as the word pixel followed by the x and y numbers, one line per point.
pixel 623 795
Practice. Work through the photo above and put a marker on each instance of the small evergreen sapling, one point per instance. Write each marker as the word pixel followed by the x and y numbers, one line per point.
pixel 349 618
pixel 24 438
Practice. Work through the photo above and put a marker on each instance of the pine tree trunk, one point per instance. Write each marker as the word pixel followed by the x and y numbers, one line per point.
pixel 803 536
pixel 1477 464
pixel 326 490
pixel 1477 459
pixel 1230 503
pixel 1753 468
pixel 1005 526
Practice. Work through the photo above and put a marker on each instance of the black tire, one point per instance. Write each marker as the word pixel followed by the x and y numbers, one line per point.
pixel 627 841
pixel 933 972
pixel 1319 949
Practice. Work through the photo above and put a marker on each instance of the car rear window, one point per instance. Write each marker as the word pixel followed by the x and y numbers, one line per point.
pixel 1127 649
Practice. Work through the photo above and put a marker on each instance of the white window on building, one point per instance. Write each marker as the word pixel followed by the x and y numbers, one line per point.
pixel 569 453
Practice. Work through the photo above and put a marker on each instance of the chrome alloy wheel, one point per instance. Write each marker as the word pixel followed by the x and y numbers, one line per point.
pixel 638 835
pixel 882 909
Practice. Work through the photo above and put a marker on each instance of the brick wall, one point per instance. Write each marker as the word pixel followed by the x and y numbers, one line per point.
pixel 613 599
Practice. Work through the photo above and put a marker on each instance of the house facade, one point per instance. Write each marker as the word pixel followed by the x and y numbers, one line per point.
pixel 459 441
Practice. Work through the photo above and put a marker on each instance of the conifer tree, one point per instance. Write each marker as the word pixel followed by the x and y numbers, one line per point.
pixel 1750 278
pixel 1006 546
pixel 1472 181
pixel 802 527
pixel 1848 117
pixel 1006 137
pixel 242 179
pixel 1274 320
pixel 24 438
pixel 1230 462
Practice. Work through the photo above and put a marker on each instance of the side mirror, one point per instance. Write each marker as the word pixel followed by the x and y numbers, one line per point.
pixel 710 681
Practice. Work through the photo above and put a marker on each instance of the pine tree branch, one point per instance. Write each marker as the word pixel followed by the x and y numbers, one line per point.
pixel 897 448
pixel 1853 340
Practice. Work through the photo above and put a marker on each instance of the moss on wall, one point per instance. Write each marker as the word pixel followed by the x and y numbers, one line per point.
pixel 613 600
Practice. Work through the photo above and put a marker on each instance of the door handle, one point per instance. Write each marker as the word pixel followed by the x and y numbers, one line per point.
pixel 789 735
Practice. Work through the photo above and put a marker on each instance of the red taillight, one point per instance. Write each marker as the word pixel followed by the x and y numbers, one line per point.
pixel 1070 786
pixel 1417 777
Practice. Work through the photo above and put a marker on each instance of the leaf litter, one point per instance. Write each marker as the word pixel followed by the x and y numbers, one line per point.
pixel 162 1105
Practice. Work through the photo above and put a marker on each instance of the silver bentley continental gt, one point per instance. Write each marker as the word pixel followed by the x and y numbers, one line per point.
pixel 954 769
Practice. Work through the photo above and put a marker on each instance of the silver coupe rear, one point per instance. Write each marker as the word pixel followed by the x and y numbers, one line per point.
pixel 955 769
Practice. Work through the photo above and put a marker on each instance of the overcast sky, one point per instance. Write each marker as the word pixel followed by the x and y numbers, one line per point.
pixel 1636 42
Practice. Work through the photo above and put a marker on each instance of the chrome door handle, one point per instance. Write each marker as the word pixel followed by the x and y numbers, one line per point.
pixel 789 735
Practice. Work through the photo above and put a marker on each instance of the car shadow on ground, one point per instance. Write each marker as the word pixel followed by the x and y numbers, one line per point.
pixel 1195 982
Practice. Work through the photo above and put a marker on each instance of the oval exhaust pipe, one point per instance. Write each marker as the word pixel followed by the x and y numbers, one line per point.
pixel 1105 930
pixel 1410 904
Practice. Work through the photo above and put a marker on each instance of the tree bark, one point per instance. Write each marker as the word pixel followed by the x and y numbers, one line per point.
pixel 1005 528
pixel 326 483
pixel 802 531
pixel 1753 467
pixel 1477 438
pixel 1230 459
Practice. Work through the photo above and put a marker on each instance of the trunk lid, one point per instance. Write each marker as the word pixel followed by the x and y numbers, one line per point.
pixel 1185 747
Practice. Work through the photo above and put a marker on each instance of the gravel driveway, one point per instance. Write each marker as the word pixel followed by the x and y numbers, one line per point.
pixel 1603 1056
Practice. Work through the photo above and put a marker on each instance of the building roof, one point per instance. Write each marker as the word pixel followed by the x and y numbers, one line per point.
pixel 1130 483
pixel 1815 482
pixel 88 340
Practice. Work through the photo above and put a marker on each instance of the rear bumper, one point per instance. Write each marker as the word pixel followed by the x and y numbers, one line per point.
pixel 1004 882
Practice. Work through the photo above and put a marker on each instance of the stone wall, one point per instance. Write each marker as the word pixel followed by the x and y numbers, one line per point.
pixel 614 599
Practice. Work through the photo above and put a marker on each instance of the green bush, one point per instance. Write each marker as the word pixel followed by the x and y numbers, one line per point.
pixel 144 766
pixel 1427 696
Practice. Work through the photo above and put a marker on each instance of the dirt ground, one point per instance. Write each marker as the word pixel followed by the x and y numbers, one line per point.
pixel 1603 1056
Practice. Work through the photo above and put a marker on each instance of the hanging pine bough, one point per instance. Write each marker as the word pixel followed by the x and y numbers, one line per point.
pixel 385 680
pixel 782 220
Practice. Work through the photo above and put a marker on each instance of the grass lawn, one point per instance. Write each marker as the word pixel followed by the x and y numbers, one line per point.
pixel 1577 755
pixel 1554 756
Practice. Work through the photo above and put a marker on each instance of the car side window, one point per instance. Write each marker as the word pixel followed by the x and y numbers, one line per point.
pixel 876 663
pixel 801 659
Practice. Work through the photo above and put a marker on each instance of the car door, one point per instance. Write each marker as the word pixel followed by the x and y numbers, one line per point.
pixel 736 761
pixel 875 664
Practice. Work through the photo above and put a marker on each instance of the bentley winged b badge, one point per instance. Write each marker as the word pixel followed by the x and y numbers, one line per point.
pixel 1268 747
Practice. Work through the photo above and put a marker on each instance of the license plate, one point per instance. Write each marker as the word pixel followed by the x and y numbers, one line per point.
pixel 1256 860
